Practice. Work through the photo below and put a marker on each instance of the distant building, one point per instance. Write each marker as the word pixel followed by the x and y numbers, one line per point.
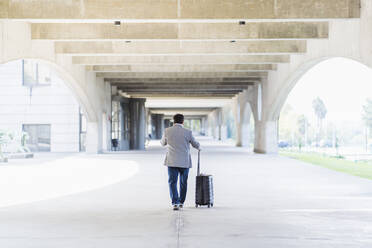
pixel 35 100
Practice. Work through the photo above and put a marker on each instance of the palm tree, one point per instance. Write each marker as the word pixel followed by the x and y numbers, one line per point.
pixel 320 111
pixel 303 124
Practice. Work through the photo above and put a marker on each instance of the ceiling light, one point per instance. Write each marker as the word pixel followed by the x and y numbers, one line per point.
pixel 117 23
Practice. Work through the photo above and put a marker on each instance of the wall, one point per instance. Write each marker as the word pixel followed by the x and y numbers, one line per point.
pixel 53 105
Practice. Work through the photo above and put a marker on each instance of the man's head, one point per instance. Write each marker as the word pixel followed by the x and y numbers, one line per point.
pixel 178 118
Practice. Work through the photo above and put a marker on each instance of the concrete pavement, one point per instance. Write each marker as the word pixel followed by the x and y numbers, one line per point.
pixel 260 201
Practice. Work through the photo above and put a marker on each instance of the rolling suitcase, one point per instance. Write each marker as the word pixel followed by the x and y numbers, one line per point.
pixel 204 188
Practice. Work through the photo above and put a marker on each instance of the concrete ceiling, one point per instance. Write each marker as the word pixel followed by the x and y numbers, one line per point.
pixel 166 50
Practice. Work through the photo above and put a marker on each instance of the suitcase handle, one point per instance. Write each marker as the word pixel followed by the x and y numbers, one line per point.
pixel 198 163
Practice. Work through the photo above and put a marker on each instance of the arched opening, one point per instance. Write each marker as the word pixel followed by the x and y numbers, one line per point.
pixel 41 108
pixel 329 112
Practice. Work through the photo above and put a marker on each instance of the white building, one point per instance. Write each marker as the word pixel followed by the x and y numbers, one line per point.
pixel 35 100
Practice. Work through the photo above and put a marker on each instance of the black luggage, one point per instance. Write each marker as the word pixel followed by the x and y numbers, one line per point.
pixel 204 188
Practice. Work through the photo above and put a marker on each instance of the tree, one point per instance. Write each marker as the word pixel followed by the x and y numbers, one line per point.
pixel 320 111
pixel 287 124
pixel 367 114
pixel 302 124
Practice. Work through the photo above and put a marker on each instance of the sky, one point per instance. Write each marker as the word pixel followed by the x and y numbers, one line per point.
pixel 342 84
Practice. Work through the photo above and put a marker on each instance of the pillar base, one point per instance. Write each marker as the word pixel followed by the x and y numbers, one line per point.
pixel 266 137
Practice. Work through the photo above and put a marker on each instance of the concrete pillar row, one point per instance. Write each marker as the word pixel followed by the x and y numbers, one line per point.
pixel 157 123
pixel 209 126
pixel 203 125
pixel 239 107
pixel 214 121
pixel 137 123
pixel 242 128
pixel 219 123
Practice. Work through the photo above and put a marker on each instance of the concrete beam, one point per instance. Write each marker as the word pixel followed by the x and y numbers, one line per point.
pixel 194 109
pixel 266 9
pixel 171 113
pixel 184 95
pixel 170 90
pixel 184 31
pixel 187 88
pixel 182 9
pixel 182 68
pixel 179 47
pixel 144 86
pixel 185 103
pixel 179 81
pixel 180 60
pixel 88 9
pixel 183 91
pixel 143 75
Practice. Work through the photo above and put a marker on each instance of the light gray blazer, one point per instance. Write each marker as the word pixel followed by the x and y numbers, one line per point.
pixel 178 140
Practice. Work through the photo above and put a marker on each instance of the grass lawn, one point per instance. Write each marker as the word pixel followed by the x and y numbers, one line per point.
pixel 360 169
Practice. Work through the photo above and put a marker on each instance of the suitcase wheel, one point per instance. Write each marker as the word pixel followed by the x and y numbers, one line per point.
pixel 209 205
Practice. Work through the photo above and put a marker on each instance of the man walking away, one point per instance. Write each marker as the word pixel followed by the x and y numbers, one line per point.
pixel 178 158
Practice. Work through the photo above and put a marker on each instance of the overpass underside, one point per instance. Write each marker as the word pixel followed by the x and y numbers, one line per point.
pixel 208 59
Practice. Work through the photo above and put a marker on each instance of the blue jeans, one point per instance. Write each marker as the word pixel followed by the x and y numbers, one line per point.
pixel 173 173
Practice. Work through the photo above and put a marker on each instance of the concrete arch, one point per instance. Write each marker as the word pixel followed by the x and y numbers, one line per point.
pixel 69 80
pixel 243 111
pixel 288 86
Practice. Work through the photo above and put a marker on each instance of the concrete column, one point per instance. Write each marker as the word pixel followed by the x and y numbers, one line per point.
pixel 148 123
pixel 219 124
pixel 92 138
pixel 137 123
pixel 124 141
pixel 215 124
pixel 203 126
pixel 266 137
pixel 238 121
pixel 105 133
pixel 157 123
pixel 242 133
pixel 242 112
pixel 166 123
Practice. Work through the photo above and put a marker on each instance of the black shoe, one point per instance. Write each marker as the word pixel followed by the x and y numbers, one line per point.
pixel 180 205
pixel 175 207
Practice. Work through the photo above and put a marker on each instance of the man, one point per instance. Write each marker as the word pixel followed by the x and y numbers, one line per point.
pixel 178 158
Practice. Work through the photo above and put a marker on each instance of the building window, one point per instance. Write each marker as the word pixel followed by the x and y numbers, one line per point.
pixel 39 137
pixel 36 74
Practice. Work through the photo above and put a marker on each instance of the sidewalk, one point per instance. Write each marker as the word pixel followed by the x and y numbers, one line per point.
pixel 260 201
